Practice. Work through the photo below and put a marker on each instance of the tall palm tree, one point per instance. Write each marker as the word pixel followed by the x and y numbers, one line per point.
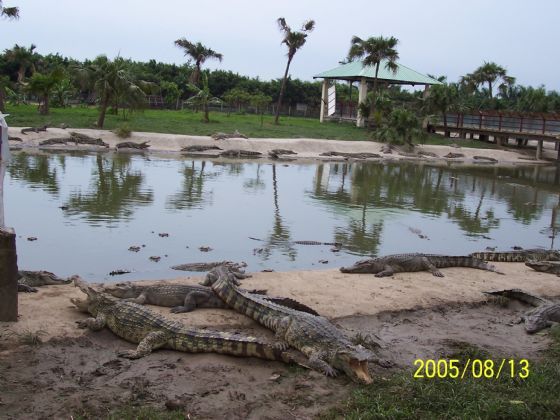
pixel 374 50
pixel 199 53
pixel 488 73
pixel 294 40
pixel 24 58
pixel 9 12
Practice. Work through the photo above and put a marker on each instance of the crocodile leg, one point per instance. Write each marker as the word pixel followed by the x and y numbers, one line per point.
pixel 25 288
pixel 387 272
pixel 432 268
pixel 140 300
pixel 317 363
pixel 152 341
pixel 94 324
pixel 192 300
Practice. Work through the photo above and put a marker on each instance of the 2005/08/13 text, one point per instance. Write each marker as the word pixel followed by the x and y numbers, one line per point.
pixel 475 368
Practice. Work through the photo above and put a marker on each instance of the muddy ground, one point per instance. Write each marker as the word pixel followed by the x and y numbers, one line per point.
pixel 75 372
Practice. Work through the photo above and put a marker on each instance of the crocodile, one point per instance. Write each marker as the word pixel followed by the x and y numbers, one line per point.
pixel 224 136
pixel 207 266
pixel 79 138
pixel 522 255
pixel 328 350
pixel 185 298
pixel 399 263
pixel 55 140
pixel 138 324
pixel 199 148
pixel 34 129
pixel 29 280
pixel 545 313
pixel 552 267
pixel 360 155
pixel 132 145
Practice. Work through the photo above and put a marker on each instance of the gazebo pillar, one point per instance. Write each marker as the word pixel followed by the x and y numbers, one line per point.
pixel 324 99
pixel 362 95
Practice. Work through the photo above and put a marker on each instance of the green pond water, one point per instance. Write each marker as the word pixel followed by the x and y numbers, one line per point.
pixel 87 209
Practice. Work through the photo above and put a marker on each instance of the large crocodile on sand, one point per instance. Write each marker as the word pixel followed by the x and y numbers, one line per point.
pixel 138 324
pixel 327 348
pixel 186 297
pixel 537 319
pixel 399 263
pixel 522 255
pixel 29 280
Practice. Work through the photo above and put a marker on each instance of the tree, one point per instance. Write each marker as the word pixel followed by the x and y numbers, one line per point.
pixel 402 126
pixel 111 78
pixel 294 40
pixel 42 85
pixel 4 86
pixel 374 50
pixel 442 99
pixel 9 12
pixel 488 73
pixel 24 58
pixel 199 53
pixel 202 97
pixel 260 101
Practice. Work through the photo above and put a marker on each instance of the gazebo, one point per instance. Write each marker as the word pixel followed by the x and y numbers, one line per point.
pixel 355 71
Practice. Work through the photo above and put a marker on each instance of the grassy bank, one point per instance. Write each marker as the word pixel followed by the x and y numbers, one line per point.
pixel 401 396
pixel 187 122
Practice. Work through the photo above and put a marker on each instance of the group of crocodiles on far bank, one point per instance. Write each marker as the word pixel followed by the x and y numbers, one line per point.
pixel 301 335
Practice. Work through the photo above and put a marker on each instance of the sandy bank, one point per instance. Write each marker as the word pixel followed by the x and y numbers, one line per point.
pixel 305 148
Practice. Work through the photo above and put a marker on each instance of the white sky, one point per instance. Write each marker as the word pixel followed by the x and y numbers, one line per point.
pixel 436 36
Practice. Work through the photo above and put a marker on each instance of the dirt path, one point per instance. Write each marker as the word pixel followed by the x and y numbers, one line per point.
pixel 411 315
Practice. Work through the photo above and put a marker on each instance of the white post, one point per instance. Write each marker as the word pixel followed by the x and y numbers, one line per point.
pixel 362 95
pixel 324 99
pixel 426 91
pixel 4 159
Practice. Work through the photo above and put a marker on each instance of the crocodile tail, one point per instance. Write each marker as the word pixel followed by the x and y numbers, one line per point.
pixel 462 261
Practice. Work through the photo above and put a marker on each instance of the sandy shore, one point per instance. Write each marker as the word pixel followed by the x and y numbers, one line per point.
pixel 305 148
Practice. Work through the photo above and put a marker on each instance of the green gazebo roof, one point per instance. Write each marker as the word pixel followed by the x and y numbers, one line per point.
pixel 355 70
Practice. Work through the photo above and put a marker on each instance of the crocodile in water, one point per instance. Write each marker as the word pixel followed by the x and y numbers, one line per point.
pixel 138 324
pixel 519 256
pixel 327 348
pixel 399 263
pixel 29 280
pixel 537 319
pixel 207 266
pixel 132 145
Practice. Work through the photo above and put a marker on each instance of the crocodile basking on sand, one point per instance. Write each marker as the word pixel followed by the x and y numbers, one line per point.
pixel 522 255
pixel 185 297
pixel 138 324
pixel 400 263
pixel 328 349
pixel 545 313
pixel 29 280
pixel 551 267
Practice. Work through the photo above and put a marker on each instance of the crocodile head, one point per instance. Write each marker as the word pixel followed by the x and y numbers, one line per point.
pixel 123 290
pixel 544 266
pixel 364 266
pixel 535 322
pixel 353 360
pixel 94 300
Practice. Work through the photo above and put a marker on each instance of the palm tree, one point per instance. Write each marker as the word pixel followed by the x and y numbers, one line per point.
pixel 294 40
pixel 4 86
pixel 43 85
pixel 202 97
pixel 442 99
pixel 24 58
pixel 111 79
pixel 9 12
pixel 374 50
pixel 199 53
pixel 488 73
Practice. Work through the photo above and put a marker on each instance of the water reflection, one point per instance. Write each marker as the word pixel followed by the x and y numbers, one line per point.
pixel 115 191
pixel 370 208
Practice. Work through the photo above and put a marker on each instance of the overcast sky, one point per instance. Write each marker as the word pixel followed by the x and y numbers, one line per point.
pixel 438 37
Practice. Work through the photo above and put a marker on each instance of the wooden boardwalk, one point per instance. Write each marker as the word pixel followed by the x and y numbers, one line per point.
pixel 503 126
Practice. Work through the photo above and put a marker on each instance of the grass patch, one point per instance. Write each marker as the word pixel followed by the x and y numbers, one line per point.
pixel 402 396
pixel 28 337
pixel 188 122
